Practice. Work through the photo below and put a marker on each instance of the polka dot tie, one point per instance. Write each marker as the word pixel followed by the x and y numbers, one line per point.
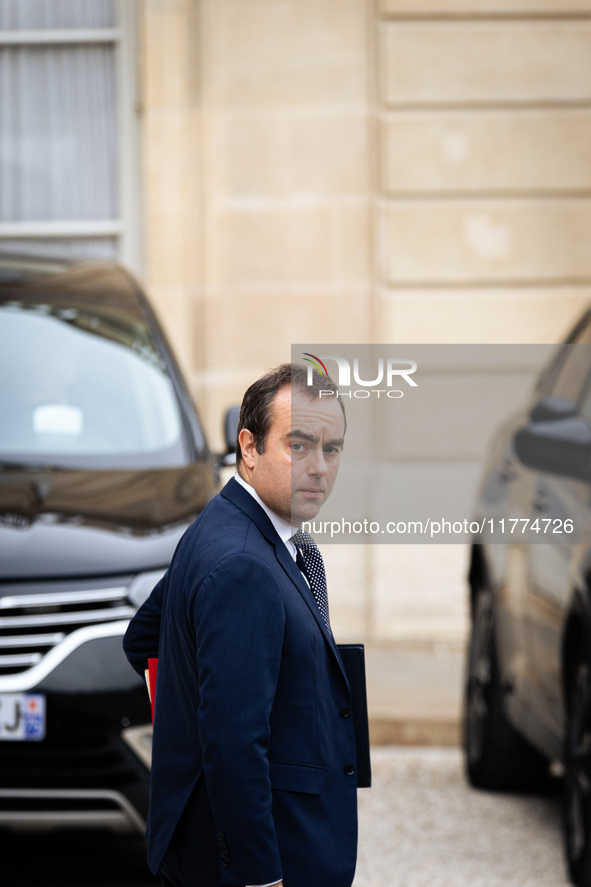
pixel 311 563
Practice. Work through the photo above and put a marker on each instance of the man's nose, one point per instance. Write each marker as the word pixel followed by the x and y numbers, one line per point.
pixel 317 463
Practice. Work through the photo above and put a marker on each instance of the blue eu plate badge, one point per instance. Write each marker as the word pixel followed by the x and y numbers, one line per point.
pixel 22 717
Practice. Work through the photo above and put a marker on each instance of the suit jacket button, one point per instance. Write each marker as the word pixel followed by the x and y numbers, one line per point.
pixel 225 863
pixel 222 845
pixel 222 836
pixel 346 712
pixel 225 853
pixel 349 769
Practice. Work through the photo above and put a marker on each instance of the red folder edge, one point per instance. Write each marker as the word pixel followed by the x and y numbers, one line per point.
pixel 152 670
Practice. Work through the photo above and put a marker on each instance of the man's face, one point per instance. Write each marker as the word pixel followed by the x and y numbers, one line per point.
pixel 296 473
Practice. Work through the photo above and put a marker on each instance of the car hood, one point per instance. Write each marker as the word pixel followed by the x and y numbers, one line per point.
pixel 82 523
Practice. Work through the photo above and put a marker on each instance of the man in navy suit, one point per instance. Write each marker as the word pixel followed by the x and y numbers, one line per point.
pixel 253 763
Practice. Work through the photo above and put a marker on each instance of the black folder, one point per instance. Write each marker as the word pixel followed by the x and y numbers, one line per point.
pixel 353 658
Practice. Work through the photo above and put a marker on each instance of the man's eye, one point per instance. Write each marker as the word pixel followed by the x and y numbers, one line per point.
pixel 297 447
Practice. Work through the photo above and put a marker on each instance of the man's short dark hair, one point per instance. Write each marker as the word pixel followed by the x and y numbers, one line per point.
pixel 255 411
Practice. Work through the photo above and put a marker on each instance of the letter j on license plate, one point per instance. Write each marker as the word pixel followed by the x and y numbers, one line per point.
pixel 22 716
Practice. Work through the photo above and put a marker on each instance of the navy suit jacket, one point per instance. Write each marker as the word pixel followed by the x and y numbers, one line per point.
pixel 253 695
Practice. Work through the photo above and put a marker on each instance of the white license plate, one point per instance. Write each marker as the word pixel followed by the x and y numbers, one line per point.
pixel 22 716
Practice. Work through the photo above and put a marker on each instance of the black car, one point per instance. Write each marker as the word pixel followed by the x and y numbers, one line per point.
pixel 103 464
pixel 528 684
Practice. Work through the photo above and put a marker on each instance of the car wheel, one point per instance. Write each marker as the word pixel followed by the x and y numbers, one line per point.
pixel 577 778
pixel 497 757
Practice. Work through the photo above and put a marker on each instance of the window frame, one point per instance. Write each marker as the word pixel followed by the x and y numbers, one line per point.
pixel 126 229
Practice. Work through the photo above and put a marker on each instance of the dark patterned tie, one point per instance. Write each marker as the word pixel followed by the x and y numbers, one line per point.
pixel 313 565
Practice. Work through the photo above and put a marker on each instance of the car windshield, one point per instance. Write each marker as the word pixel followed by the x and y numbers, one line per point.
pixel 84 386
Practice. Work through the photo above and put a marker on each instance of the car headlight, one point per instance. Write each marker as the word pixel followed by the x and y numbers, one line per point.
pixel 141 586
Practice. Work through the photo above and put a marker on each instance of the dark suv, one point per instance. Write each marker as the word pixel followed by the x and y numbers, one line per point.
pixel 103 464
pixel 528 688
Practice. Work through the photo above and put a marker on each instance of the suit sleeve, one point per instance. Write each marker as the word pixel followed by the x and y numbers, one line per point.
pixel 239 622
pixel 142 637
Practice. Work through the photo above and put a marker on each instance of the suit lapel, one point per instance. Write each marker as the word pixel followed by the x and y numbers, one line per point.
pixel 295 574
pixel 245 502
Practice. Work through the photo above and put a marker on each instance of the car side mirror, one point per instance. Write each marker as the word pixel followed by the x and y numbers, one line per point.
pixel 561 446
pixel 230 428
pixel 549 409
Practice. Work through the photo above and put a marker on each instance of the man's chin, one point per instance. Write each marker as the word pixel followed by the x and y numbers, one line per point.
pixel 304 511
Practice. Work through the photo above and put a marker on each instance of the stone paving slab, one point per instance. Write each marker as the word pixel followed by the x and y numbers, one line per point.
pixel 422 826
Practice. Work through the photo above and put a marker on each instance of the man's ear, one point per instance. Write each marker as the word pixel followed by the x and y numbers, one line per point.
pixel 247 447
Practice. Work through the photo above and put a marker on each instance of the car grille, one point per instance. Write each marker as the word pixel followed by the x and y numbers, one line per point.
pixel 32 624
pixel 68 763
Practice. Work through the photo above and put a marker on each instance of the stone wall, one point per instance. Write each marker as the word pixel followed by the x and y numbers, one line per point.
pixel 344 171
pixel 484 217
pixel 258 181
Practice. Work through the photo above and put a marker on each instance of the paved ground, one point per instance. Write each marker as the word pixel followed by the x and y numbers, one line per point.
pixel 420 826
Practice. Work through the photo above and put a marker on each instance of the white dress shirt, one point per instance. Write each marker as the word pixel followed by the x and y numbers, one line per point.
pixel 285 531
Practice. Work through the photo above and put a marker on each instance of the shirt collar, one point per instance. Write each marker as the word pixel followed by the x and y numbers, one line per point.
pixel 282 527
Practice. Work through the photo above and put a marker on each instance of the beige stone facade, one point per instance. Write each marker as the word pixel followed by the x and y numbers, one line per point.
pixel 351 171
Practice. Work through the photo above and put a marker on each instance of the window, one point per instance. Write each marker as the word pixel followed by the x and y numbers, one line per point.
pixel 84 385
pixel 68 148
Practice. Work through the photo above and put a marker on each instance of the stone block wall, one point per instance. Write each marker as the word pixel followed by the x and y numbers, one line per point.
pixel 357 171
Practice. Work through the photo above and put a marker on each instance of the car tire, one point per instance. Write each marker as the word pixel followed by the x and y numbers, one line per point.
pixel 576 817
pixel 496 756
